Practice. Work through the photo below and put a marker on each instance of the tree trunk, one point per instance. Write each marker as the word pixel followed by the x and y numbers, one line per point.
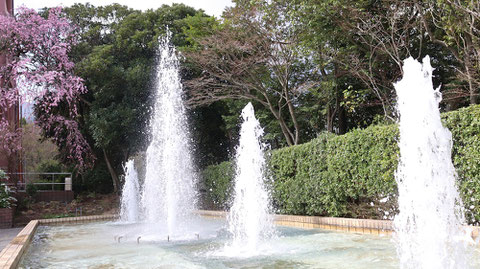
pixel 473 95
pixel 330 117
pixel 282 124
pixel 471 88
pixel 342 115
pixel 113 174
pixel 291 110
pixel 285 131
pixel 342 121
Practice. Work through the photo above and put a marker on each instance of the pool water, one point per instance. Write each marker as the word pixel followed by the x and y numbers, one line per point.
pixel 96 245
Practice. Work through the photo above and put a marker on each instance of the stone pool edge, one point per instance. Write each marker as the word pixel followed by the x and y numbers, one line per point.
pixel 12 253
pixel 363 226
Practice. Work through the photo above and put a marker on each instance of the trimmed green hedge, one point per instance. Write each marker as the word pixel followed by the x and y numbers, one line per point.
pixel 353 175
pixel 465 127
pixel 218 183
pixel 336 175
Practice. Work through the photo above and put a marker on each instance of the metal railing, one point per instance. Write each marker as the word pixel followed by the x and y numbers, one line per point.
pixel 43 181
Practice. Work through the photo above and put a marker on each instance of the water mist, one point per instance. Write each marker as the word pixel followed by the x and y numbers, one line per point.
pixel 129 208
pixel 249 221
pixel 169 195
pixel 429 232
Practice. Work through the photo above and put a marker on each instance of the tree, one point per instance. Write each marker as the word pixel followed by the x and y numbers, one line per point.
pixel 35 148
pixel 253 56
pixel 116 57
pixel 455 25
pixel 361 46
pixel 40 70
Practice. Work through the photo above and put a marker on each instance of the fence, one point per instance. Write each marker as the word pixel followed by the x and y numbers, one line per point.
pixel 42 181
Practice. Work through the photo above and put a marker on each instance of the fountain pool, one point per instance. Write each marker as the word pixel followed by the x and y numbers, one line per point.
pixel 96 245
pixel 164 232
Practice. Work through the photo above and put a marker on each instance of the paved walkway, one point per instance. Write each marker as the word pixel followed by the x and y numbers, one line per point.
pixel 6 235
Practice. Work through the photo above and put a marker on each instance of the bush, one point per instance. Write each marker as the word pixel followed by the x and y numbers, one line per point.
pixel 31 190
pixel 352 175
pixel 50 166
pixel 337 175
pixel 218 183
pixel 465 127
pixel 6 200
pixel 97 179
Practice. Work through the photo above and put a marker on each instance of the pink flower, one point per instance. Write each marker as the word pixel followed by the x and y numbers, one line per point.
pixel 37 50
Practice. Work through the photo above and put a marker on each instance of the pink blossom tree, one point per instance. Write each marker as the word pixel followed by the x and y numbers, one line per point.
pixel 39 70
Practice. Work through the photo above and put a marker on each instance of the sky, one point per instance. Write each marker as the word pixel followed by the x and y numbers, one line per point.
pixel 211 7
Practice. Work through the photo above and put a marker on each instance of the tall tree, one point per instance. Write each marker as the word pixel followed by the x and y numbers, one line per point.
pixel 253 56
pixel 40 70
pixel 455 25
pixel 116 57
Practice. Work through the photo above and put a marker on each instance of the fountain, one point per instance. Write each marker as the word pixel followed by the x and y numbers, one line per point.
pixel 165 233
pixel 429 232
pixel 168 197
pixel 129 206
pixel 248 220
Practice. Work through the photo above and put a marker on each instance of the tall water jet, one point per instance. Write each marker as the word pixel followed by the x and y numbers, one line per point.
pixel 130 201
pixel 248 220
pixel 169 195
pixel 429 231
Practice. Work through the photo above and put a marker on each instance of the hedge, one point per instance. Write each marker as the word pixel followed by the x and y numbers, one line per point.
pixel 352 175
pixel 218 183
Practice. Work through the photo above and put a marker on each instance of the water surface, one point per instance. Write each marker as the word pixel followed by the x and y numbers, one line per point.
pixel 94 246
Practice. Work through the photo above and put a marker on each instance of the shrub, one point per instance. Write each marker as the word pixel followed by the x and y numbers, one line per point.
pixel 465 127
pixel 218 183
pixel 31 190
pixel 337 175
pixel 353 175
pixel 97 179
pixel 6 200
pixel 50 166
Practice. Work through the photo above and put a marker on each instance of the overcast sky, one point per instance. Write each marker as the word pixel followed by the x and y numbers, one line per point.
pixel 211 7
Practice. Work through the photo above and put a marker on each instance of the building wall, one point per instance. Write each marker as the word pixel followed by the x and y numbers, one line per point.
pixel 12 164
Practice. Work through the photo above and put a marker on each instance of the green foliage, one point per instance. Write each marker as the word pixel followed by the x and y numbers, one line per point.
pixel 333 175
pixel 218 183
pixel 95 180
pixel 31 190
pixel 49 166
pixel 465 127
pixel 6 200
pixel 115 56
pixel 296 172
pixel 58 216
pixel 352 175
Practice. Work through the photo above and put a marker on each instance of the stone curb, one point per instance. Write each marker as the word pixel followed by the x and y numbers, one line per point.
pixel 10 256
pixel 364 226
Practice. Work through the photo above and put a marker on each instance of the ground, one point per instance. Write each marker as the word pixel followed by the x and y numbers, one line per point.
pixel 6 235
pixel 82 205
